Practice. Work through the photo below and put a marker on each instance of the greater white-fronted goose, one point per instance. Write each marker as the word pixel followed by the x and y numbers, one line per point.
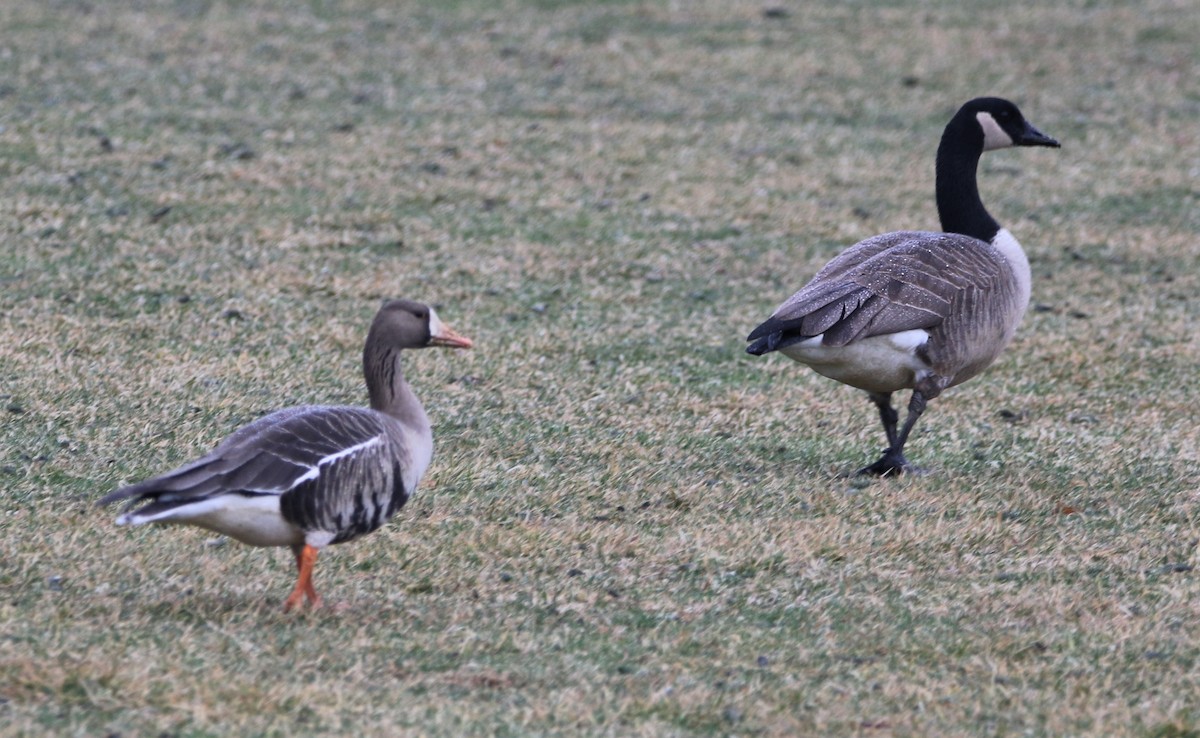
pixel 313 475
pixel 914 309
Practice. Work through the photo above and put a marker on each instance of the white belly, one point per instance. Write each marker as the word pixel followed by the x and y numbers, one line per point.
pixel 877 364
pixel 254 520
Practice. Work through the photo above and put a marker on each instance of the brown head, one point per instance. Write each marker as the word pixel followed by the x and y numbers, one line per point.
pixel 405 324
pixel 399 325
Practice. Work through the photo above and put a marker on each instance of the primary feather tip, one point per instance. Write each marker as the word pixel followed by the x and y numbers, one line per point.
pixel 760 347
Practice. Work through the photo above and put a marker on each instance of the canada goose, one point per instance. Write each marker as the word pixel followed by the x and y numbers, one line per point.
pixel 914 309
pixel 312 475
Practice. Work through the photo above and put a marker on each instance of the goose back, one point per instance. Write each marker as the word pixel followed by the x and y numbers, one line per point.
pixel 956 299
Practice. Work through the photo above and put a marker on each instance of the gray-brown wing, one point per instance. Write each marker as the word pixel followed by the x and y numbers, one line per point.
pixel 895 282
pixel 272 455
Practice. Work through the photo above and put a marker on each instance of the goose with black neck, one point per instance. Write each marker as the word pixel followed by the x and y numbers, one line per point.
pixel 917 310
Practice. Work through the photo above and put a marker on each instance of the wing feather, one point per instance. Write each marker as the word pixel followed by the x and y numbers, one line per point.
pixel 891 283
pixel 270 456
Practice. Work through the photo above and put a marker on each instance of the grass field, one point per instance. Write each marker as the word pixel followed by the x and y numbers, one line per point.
pixel 630 527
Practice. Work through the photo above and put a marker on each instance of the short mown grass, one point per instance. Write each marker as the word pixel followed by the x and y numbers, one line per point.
pixel 630 527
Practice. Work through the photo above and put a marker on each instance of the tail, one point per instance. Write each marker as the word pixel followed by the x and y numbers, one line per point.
pixel 121 494
pixel 134 494
pixel 765 345
pixel 766 337
pixel 181 486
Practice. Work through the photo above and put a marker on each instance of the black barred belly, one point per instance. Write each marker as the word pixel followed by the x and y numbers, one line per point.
pixel 348 500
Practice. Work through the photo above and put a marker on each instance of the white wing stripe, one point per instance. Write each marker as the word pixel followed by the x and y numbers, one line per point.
pixel 315 471
pixel 312 473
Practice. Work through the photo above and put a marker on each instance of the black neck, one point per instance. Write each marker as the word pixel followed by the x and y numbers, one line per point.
pixel 958 203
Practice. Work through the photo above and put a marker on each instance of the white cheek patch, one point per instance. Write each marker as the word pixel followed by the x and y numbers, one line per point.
pixel 435 324
pixel 994 136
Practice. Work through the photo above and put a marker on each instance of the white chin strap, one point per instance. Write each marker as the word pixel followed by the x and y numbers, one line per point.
pixel 994 136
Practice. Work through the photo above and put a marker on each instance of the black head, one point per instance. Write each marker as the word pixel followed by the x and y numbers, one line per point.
pixel 1001 124
pixel 405 324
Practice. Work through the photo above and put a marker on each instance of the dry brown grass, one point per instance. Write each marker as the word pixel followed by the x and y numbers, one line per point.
pixel 630 528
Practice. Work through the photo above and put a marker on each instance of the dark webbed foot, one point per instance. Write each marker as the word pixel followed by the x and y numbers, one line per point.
pixel 891 464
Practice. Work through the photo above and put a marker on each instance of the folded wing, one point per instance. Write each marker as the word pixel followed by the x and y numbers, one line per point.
pixel 887 284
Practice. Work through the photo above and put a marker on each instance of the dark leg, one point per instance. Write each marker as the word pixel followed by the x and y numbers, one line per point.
pixel 893 461
pixel 887 414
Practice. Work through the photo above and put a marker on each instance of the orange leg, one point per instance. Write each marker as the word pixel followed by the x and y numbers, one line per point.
pixel 306 559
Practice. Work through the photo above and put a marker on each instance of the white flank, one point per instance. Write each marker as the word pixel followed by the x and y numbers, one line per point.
pixel 315 471
pixel 319 538
pixel 909 341
pixel 994 136
pixel 251 519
